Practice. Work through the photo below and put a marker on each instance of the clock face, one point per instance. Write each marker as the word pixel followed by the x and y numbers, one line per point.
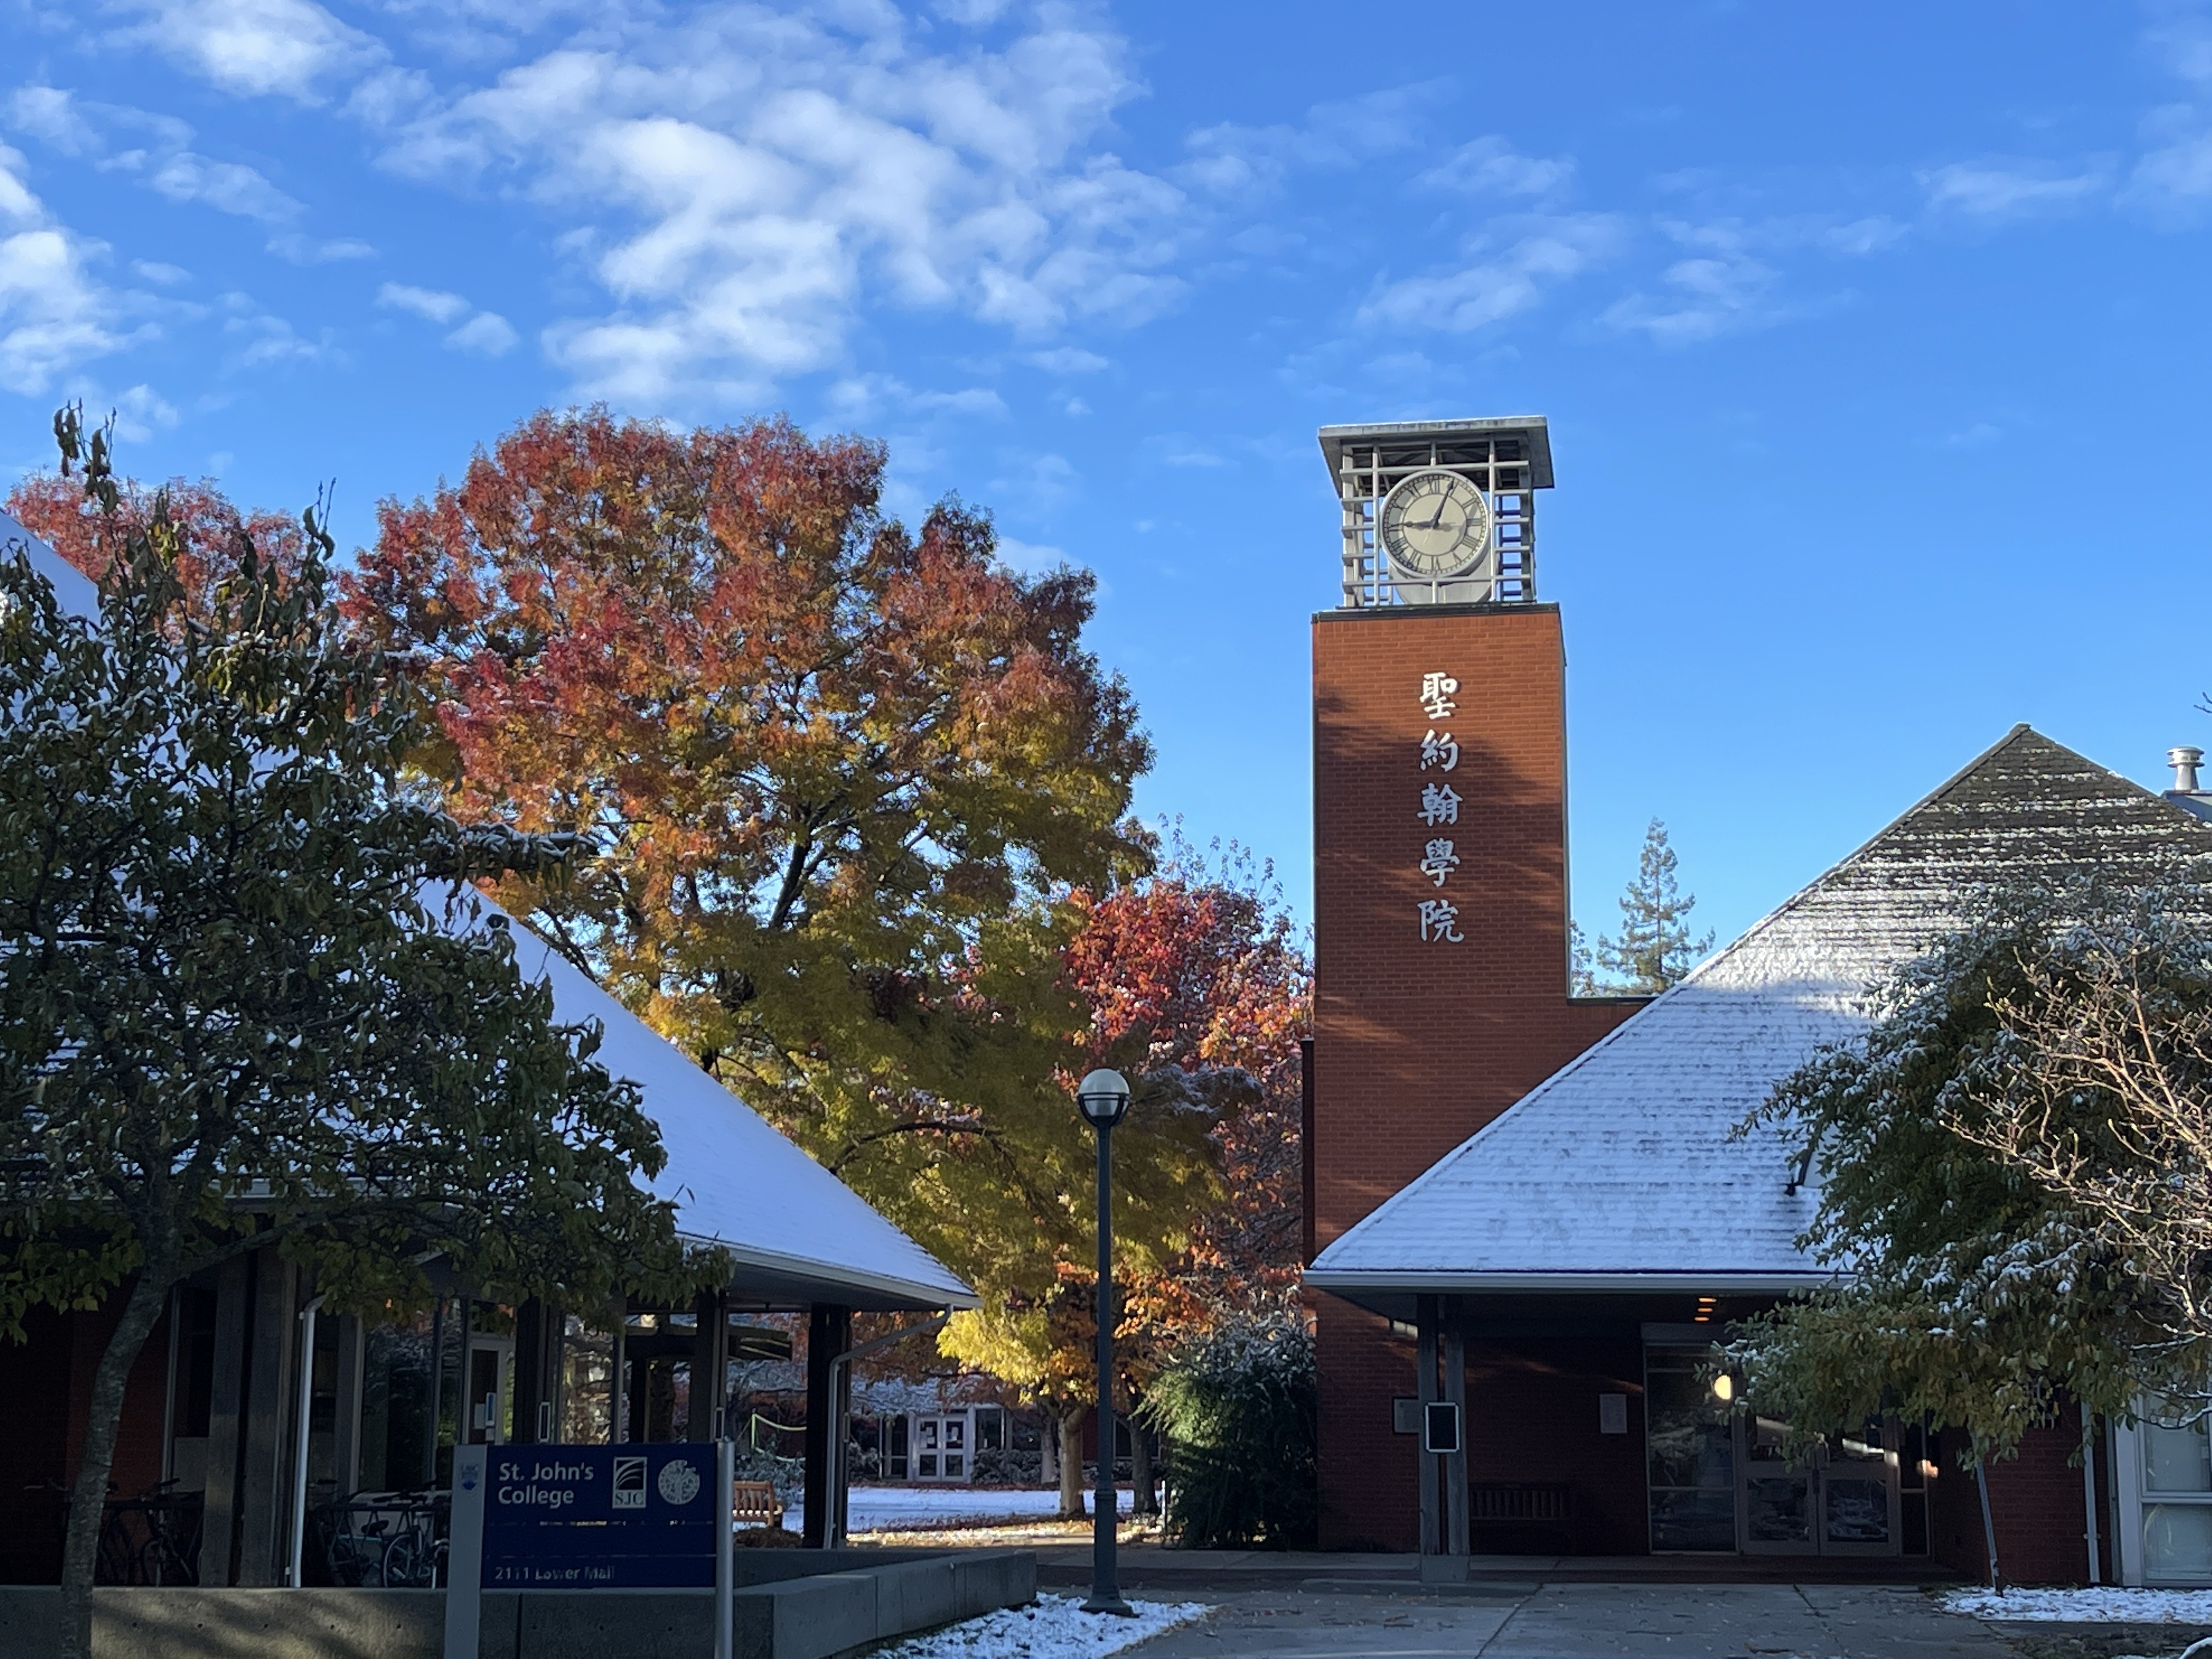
pixel 1436 524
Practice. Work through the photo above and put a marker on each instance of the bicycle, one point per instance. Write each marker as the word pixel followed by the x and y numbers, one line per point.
pixel 416 1556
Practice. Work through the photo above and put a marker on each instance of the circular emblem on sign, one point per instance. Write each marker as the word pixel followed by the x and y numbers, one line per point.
pixel 679 1482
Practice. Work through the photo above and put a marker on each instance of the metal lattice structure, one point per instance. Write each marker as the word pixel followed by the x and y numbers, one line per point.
pixel 1507 457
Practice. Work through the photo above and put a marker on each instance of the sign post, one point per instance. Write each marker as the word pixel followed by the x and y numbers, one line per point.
pixel 726 1573
pixel 464 1550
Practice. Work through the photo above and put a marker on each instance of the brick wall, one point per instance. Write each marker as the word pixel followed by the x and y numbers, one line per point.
pixel 1419 1045
pixel 2036 1500
pixel 45 1382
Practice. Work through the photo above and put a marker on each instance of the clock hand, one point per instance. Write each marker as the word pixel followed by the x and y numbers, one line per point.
pixel 1443 501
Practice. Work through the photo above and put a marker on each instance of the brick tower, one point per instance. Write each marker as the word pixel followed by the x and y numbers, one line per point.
pixel 1440 871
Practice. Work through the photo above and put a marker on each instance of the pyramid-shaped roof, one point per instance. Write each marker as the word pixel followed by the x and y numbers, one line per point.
pixel 1620 1171
pixel 795 1232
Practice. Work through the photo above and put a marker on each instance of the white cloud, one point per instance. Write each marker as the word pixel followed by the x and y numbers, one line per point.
pixel 1067 359
pixel 742 186
pixel 51 115
pixel 261 339
pixel 140 412
pixel 488 334
pixel 1030 558
pixel 152 270
pixel 1544 252
pixel 866 396
pixel 300 250
pixel 1712 294
pixel 2007 189
pixel 226 187
pixel 432 305
pixel 155 150
pixel 253 47
pixel 2174 178
pixel 1234 160
pixel 1491 166
pixel 53 314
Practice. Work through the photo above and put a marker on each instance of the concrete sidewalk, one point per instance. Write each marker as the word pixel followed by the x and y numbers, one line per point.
pixel 1173 1573
pixel 1584 1621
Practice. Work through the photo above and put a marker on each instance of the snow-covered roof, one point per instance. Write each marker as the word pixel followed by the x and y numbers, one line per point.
pixel 797 1233
pixel 1619 1171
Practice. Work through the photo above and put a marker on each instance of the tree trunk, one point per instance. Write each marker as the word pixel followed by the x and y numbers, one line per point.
pixel 1071 1462
pixel 1048 1454
pixel 1140 1468
pixel 1989 1526
pixel 89 1493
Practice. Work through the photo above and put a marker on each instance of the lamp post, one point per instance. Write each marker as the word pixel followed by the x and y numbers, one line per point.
pixel 1102 1097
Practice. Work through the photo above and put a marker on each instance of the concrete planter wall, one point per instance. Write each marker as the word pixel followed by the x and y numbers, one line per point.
pixel 785 1607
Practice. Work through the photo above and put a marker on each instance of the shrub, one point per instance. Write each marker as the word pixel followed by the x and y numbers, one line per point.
pixel 1237 1407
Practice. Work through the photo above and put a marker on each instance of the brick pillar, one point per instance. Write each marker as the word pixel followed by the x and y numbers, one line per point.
pixel 1418 1042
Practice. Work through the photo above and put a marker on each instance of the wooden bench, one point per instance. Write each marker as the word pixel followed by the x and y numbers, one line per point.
pixel 1522 1506
pixel 754 1503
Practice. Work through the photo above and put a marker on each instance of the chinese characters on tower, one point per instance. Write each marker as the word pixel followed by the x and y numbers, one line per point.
pixel 1439 917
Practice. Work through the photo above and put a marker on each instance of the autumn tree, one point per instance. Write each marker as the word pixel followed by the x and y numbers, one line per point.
pixel 212 534
pixel 1194 983
pixel 1654 948
pixel 815 753
pixel 1201 969
pixel 246 997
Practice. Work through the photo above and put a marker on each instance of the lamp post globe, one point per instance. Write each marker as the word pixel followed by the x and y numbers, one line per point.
pixel 1102 1097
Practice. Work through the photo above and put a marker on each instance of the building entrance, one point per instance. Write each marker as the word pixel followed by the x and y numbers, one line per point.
pixel 941 1447
pixel 1845 1502
pixel 1719 1482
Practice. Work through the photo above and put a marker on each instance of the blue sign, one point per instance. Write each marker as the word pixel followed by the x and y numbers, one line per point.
pixel 601 1517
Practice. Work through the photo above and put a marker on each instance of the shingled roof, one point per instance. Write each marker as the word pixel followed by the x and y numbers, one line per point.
pixel 1618 1172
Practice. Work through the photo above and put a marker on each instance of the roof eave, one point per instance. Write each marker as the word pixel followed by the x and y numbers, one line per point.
pixel 1385 1290
pixel 773 1275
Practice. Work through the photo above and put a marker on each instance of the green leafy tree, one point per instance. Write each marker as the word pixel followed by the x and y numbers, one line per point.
pixel 246 997
pixel 2015 1180
pixel 1654 948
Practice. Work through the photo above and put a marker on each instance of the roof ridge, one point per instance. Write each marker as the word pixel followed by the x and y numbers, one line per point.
pixel 1630 1028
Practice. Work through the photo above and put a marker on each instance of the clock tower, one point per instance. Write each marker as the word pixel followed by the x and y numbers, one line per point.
pixel 1439 512
pixel 1442 988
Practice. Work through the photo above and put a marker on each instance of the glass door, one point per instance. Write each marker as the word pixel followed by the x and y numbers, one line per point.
pixel 1690 1460
pixel 939 1447
pixel 1844 1501
pixel 1858 1492
pixel 1779 1501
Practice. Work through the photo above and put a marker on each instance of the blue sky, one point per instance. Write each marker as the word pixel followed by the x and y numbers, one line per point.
pixel 1874 340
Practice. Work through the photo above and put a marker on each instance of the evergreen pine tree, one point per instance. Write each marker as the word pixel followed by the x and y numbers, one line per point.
pixel 1655 949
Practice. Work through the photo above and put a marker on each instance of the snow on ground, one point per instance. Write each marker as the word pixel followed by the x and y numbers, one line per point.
pixel 2087 1607
pixel 1053 1627
pixel 876 1508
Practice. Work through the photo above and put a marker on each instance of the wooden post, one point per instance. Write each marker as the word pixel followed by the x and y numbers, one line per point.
pixel 233 1322
pixel 263 1538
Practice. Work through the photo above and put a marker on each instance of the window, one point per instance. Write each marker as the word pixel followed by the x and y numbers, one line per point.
pixel 585 1408
pixel 2177 1502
